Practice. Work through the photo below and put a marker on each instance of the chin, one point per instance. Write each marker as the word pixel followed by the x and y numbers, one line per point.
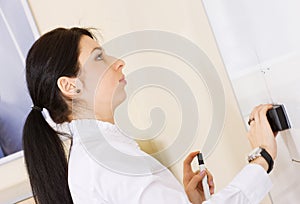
pixel 120 99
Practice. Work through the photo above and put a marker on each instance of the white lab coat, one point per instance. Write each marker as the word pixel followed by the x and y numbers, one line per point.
pixel 95 179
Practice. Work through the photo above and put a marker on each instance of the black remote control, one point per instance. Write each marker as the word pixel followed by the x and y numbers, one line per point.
pixel 278 118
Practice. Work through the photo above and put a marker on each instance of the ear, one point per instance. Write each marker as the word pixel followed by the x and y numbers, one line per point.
pixel 67 85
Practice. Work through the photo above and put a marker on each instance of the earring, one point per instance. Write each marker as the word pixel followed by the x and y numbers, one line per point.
pixel 78 90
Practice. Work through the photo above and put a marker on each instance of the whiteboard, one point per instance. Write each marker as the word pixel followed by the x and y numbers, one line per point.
pixel 260 46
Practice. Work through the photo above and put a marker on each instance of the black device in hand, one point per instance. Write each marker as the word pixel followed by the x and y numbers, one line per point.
pixel 278 118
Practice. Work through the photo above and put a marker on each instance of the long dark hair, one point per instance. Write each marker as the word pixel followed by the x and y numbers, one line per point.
pixel 53 55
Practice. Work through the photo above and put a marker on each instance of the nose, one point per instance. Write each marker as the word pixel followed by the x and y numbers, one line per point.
pixel 118 64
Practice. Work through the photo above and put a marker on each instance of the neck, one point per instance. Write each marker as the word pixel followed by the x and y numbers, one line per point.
pixel 107 119
pixel 105 116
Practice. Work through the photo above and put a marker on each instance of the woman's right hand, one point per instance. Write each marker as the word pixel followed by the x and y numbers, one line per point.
pixel 260 133
pixel 192 181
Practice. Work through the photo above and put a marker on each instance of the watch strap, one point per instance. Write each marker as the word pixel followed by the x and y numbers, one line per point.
pixel 261 152
pixel 268 158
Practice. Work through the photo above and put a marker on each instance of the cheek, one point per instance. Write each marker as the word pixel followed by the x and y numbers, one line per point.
pixel 93 82
pixel 91 79
pixel 106 88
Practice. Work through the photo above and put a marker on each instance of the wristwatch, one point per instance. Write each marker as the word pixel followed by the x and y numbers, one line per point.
pixel 261 152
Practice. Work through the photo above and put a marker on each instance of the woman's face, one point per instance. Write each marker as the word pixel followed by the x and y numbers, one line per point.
pixel 101 78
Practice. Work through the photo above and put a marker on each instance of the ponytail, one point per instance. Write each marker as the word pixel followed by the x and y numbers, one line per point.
pixel 53 55
pixel 46 161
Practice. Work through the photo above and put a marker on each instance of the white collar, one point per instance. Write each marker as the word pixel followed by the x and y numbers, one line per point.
pixel 110 131
pixel 111 148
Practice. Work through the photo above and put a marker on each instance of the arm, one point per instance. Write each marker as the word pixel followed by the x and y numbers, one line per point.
pixel 252 183
pixel 250 186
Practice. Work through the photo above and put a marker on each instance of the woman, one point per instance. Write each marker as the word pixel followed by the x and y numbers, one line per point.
pixel 69 74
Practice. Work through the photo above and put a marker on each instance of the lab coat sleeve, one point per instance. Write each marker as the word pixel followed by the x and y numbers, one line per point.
pixel 250 186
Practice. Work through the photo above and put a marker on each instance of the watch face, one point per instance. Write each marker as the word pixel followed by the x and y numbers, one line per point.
pixel 254 154
pixel 255 151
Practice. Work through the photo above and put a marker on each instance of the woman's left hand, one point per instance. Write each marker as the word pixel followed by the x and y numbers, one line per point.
pixel 192 181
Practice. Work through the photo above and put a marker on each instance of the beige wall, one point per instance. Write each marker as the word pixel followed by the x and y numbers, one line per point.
pixel 186 18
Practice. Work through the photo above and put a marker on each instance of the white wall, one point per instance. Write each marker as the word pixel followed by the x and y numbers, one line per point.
pixel 185 18
pixel 259 42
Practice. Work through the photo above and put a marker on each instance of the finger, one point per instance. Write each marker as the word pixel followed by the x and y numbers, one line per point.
pixel 261 117
pixel 187 169
pixel 251 121
pixel 263 111
pixel 254 116
pixel 196 180
pixel 256 113
pixel 253 111
pixel 260 114
pixel 187 162
pixel 210 182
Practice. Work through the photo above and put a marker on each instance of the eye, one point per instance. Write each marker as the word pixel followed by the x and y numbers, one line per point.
pixel 99 57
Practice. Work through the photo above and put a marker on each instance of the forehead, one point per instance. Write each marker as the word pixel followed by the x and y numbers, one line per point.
pixel 86 46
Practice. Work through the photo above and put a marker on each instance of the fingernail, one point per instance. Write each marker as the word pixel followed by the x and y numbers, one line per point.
pixel 211 183
pixel 202 172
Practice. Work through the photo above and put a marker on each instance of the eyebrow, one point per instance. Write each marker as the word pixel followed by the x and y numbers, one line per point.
pixel 97 48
